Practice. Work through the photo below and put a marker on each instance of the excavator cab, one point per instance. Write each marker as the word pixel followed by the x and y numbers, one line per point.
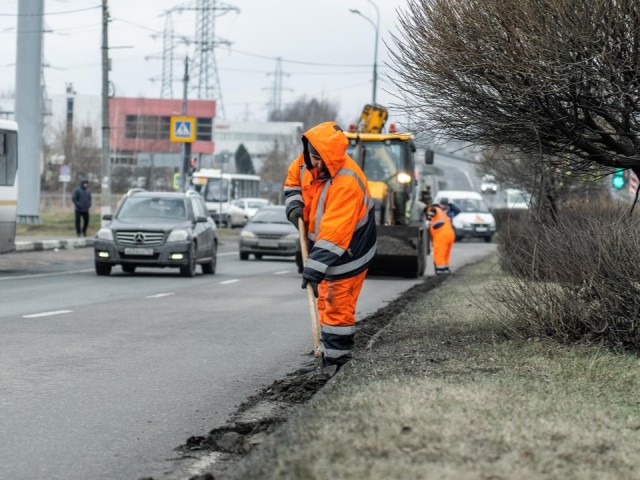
pixel 388 164
pixel 388 161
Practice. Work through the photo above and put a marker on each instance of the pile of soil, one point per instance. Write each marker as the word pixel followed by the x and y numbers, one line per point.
pixel 261 414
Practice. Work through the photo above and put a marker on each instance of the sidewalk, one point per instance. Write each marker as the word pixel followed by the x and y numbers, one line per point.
pixel 39 243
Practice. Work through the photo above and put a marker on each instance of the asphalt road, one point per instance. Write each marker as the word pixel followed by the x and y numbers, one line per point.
pixel 103 377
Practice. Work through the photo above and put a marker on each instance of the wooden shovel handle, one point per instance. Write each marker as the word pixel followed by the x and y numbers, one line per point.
pixel 313 310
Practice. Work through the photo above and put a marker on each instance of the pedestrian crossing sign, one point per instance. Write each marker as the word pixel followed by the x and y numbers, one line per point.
pixel 183 129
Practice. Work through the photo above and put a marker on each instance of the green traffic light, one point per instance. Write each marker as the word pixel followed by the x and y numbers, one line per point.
pixel 617 182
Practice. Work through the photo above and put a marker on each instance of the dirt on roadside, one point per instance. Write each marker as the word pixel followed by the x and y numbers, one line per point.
pixel 264 412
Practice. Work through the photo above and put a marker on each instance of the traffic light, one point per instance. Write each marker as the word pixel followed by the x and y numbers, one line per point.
pixel 192 165
pixel 618 179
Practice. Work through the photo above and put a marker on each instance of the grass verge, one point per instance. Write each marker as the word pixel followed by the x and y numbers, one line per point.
pixel 444 393
pixel 57 224
pixel 63 225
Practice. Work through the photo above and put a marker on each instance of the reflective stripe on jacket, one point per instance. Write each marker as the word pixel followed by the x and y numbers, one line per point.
pixel 338 209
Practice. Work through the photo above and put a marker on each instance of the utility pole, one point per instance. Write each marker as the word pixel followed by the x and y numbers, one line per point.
pixel 186 146
pixel 106 160
pixel 28 107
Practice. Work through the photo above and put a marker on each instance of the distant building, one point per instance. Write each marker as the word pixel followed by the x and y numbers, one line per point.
pixel 140 129
pixel 6 107
pixel 257 137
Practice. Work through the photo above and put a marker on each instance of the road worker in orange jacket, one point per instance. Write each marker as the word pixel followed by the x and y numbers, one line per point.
pixel 329 191
pixel 442 236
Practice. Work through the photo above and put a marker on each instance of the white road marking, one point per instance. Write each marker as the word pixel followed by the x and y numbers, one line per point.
pixel 47 314
pixel 281 272
pixel 39 275
pixel 227 282
pixel 159 295
pixel 227 254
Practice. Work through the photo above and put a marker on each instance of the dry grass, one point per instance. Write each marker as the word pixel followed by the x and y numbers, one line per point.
pixel 577 279
pixel 58 224
pixel 446 394
pixel 62 224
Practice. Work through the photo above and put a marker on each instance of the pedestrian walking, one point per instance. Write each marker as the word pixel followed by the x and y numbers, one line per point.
pixel 329 191
pixel 442 235
pixel 81 198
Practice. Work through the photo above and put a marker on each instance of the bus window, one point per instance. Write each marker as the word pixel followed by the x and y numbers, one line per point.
pixel 8 184
pixel 217 190
pixel 8 158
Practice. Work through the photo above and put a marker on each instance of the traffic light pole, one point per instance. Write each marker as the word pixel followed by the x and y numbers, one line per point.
pixel 186 146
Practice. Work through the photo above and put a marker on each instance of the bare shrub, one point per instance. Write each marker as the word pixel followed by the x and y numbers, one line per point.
pixel 576 279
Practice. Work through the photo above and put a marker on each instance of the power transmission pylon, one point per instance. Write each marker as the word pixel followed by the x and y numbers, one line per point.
pixel 166 88
pixel 275 102
pixel 170 42
pixel 205 69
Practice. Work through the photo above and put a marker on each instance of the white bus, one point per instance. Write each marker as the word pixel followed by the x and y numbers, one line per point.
pixel 220 189
pixel 8 184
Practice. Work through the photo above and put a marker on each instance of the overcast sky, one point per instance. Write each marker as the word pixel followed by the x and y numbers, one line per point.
pixel 326 51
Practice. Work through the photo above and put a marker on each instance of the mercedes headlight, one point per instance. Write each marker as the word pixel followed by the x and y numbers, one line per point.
pixel 105 234
pixel 178 236
pixel 247 234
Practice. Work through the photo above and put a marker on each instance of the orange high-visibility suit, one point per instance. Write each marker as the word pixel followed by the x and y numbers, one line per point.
pixel 442 238
pixel 339 216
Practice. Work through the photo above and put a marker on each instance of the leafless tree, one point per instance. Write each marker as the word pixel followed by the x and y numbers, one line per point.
pixel 550 78
pixel 274 168
pixel 309 112
pixel 79 149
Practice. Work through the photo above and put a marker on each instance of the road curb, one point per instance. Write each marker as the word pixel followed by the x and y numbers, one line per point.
pixel 30 246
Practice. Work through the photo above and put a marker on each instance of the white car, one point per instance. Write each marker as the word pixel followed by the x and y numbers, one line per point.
pixel 489 184
pixel 235 216
pixel 474 220
pixel 242 209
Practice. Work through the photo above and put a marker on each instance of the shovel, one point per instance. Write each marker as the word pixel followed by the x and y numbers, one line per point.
pixel 313 310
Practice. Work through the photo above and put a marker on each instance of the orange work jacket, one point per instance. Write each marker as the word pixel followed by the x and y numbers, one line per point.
pixel 339 213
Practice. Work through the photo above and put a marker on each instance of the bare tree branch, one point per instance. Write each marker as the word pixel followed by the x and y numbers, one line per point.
pixel 556 76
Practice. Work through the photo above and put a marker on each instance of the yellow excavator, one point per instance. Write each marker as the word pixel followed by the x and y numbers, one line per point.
pixel 388 161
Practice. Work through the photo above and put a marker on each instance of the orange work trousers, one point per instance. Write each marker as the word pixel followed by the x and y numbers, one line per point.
pixel 442 242
pixel 337 300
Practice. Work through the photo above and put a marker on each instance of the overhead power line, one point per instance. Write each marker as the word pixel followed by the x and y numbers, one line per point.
pixel 300 62
pixel 49 13
pixel 274 58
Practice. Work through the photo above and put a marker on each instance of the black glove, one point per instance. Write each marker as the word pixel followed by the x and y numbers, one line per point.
pixel 294 214
pixel 313 284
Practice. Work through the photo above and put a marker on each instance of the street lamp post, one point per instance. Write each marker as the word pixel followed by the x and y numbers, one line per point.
pixel 376 27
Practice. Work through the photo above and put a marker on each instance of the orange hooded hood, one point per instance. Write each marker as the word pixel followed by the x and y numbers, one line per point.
pixel 330 142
